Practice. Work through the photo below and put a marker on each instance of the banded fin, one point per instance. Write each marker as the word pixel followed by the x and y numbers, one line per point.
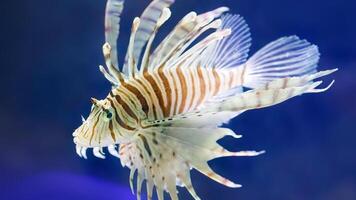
pixel 272 93
pixel 108 76
pixel 112 26
pixel 148 23
pixel 231 51
pixel 285 57
pixel 184 31
pixel 166 13
pixel 113 75
pixel 167 154
pixel 296 81
pixel 224 95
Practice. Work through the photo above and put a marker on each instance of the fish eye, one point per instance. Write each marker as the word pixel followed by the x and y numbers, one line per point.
pixel 108 114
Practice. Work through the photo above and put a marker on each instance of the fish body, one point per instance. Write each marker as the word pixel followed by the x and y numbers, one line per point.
pixel 163 115
pixel 166 93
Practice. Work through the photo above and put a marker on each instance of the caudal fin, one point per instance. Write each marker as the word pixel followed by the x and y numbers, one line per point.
pixel 285 57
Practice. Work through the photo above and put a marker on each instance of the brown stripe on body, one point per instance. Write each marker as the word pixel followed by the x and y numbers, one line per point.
pixel 209 83
pixel 176 92
pixel 193 89
pixel 111 128
pixel 88 130
pixel 149 93
pixel 92 131
pixel 168 90
pixel 217 82
pixel 156 89
pixel 126 107
pixel 139 96
pixel 202 86
pixel 183 87
pixel 117 117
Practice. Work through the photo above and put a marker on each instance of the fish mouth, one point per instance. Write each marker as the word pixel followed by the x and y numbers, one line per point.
pixel 97 151
pixel 82 145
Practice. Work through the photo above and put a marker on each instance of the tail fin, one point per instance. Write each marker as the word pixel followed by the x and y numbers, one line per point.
pixel 285 57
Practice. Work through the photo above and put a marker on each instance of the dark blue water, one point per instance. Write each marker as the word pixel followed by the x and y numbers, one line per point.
pixel 50 51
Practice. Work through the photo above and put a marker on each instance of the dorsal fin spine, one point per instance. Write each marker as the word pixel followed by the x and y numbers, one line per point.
pixel 131 60
pixel 166 14
pixel 114 75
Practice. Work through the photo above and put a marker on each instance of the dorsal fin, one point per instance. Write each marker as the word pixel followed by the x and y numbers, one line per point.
pixel 148 23
pixel 193 55
pixel 112 26
pixel 231 51
pixel 183 32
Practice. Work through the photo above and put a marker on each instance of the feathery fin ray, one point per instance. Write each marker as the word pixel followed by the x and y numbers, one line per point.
pixel 285 57
pixel 231 51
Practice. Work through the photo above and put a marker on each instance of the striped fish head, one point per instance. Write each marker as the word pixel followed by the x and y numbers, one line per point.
pixel 98 130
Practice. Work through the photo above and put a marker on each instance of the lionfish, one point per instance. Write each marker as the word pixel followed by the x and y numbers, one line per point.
pixel 164 113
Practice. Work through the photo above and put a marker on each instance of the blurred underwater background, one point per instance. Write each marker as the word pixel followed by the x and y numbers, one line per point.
pixel 49 55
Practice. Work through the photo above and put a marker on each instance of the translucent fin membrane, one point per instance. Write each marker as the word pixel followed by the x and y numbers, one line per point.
pixel 194 52
pixel 231 51
pixel 285 57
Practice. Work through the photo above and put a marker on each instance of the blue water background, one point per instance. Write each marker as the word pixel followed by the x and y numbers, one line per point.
pixel 50 51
